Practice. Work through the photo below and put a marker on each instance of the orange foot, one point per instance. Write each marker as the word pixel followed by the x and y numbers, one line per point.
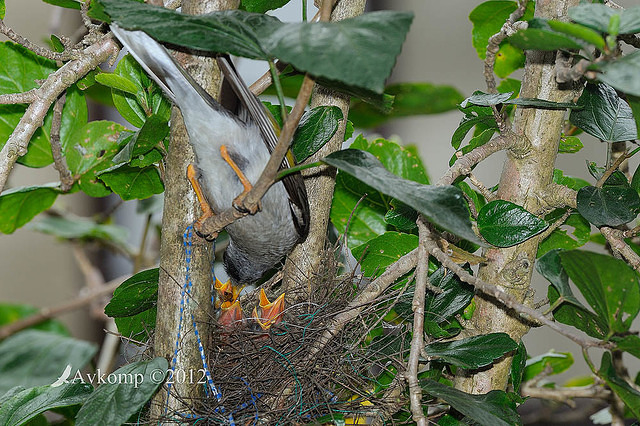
pixel 207 212
pixel 238 202
pixel 270 312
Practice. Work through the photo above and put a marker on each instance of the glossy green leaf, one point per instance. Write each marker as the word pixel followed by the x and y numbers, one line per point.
pixel 316 128
pixel 262 6
pixel 572 234
pixel 2 9
pixel 489 99
pixel 609 285
pixel 578 31
pixel 19 205
pixel 117 82
pixel 443 206
pixel 74 227
pixel 36 358
pixel 368 219
pixel 598 16
pixel 69 4
pixel 486 99
pixel 570 145
pixel 494 408
pixel 93 146
pixel 550 267
pixel 505 224
pixel 27 404
pixel 12 312
pixel 135 295
pixel 542 39
pixel 629 343
pixel 378 253
pixel 32 68
pixel 74 116
pixel 401 216
pixel 132 183
pixel 609 205
pixel 628 394
pixel 473 116
pixel 148 98
pixel 114 403
pixel 358 52
pixel 518 365
pixel 488 18
pixel 137 327
pixel 154 130
pixel 568 181
pixel 621 73
pixel 580 318
pixel 508 59
pixel 549 363
pixel 473 352
pixel 604 114
pixel 541 103
pixel 409 99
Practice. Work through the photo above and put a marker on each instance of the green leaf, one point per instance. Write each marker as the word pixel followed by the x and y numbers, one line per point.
pixel 137 327
pixel 494 408
pixel 621 73
pixel 518 365
pixel 135 295
pixel 358 52
pixel 541 103
pixel 444 206
pixel 629 343
pixel 609 205
pixel 486 99
pixel 489 99
pixel 487 19
pixel 570 145
pixel 117 82
pixel 578 317
pixel 36 358
pixel 93 146
pixel 20 71
pixel 578 31
pixel 562 238
pixel 114 403
pixel 262 6
pixel 549 363
pixel 604 114
pixel 568 181
pixel 609 285
pixel 401 216
pixel 12 312
pixel 542 39
pixel 2 9
pixel 19 205
pixel 74 116
pixel 634 103
pixel 505 224
pixel 409 99
pixel 316 128
pixel 75 227
pixel 598 16
pixel 508 59
pixel 148 98
pixel 27 404
pixel 473 116
pixel 152 133
pixel 550 267
pixel 69 4
pixel 473 352
pixel 628 395
pixel 380 252
pixel 132 183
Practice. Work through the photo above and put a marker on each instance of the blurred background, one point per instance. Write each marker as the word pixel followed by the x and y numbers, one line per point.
pixel 41 271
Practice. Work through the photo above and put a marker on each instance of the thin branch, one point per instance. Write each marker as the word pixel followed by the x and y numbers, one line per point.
pixel 417 339
pixel 59 161
pixel 555 225
pixel 38 50
pixel 567 72
pixel 488 195
pixel 615 238
pixel 18 98
pixel 48 313
pixel 50 90
pixel 564 395
pixel 464 164
pixel 611 169
pixel 508 300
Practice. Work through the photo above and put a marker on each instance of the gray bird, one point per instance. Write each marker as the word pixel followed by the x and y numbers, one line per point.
pixel 257 242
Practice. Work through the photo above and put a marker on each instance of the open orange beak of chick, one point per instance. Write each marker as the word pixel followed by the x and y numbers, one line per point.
pixel 227 302
pixel 268 313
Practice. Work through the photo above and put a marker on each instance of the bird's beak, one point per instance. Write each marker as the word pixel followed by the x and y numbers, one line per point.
pixel 230 314
pixel 270 312
pixel 226 293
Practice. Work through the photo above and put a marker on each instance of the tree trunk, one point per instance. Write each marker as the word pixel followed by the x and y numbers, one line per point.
pixel 180 210
pixel 525 179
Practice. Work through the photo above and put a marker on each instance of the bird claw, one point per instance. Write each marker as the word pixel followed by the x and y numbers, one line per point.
pixel 238 204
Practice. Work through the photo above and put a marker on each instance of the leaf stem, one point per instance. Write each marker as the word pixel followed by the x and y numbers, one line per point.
pixel 297 168
pixel 275 77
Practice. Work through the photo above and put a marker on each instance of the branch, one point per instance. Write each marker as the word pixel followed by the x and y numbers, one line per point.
pixel 38 50
pixel 59 161
pixel 615 238
pixel 45 95
pixel 417 339
pixel 48 313
pixel 564 395
pixel 18 98
pixel 463 165
pixel 506 299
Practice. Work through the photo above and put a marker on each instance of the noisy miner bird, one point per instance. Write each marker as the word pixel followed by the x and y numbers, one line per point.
pixel 232 149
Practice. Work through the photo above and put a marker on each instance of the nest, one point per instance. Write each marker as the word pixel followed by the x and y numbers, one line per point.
pixel 292 375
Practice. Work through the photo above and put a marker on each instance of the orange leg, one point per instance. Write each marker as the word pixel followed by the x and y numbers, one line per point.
pixel 207 212
pixel 238 202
